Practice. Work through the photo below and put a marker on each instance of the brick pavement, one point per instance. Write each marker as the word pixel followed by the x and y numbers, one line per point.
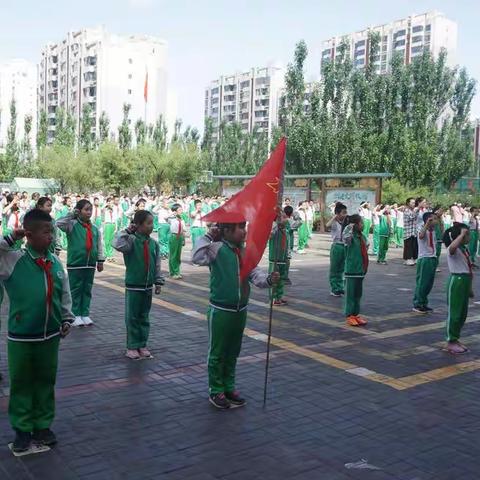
pixel 390 396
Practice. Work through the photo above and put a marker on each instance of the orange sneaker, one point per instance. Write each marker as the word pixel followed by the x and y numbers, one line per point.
pixel 360 320
pixel 352 321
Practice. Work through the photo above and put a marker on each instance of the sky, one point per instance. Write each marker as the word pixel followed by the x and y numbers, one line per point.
pixel 207 38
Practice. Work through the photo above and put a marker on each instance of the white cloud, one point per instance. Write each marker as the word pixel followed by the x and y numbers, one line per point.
pixel 141 3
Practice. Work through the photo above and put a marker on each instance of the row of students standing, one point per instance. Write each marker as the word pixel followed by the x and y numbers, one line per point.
pixel 349 265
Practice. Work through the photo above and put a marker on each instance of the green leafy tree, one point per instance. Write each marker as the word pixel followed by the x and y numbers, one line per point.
pixel 42 133
pixel 87 123
pixel 103 128
pixel 159 135
pixel 116 167
pixel 140 132
pixel 124 133
pixel 10 165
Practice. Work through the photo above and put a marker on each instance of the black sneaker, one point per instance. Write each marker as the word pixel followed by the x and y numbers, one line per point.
pixel 44 437
pixel 218 400
pixel 428 309
pixel 335 294
pixel 421 310
pixel 22 441
pixel 235 399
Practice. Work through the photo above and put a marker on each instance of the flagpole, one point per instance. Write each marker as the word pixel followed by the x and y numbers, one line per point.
pixel 270 313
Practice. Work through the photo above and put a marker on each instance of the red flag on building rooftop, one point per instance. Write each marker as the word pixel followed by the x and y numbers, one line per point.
pixel 256 204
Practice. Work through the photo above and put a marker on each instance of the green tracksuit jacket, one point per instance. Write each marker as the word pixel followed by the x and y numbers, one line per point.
pixel 141 255
pixel 227 314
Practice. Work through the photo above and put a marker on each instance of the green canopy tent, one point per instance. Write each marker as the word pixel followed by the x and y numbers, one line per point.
pixel 31 185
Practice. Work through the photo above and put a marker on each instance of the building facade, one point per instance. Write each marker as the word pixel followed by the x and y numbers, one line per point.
pixel 250 99
pixel 17 82
pixel 95 67
pixel 407 37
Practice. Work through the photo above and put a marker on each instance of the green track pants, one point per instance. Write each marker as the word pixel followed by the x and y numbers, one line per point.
pixel 33 371
pixel 383 242
pixel 337 267
pixel 438 251
pixel 367 225
pixel 473 245
pixel 399 236
pixel 137 309
pixel 81 284
pixel 196 233
pixel 108 234
pixel 458 292
pixel 175 245
pixel 426 268
pixel 353 295
pixel 278 290
pixel 225 331
pixel 163 238
pixel 302 236
pixel 376 239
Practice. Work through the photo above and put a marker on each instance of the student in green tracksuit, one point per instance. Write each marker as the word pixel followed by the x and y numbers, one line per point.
pixel 426 263
pixel 376 226
pixel 84 255
pixel 439 231
pixel 356 267
pixel 141 255
pixel 221 249
pixel 303 228
pixel 176 241
pixel 40 312
pixel 473 245
pixel 163 214
pixel 384 232
pixel 198 226
pixel 109 228
pixel 279 258
pixel 45 204
pixel 97 214
pixel 337 250
pixel 460 288
pixel 63 212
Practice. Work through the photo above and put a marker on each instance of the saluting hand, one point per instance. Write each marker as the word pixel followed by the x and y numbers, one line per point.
pixel 18 233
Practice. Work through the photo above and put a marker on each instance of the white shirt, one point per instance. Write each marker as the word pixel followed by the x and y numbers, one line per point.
pixel 458 262
pixel 198 222
pixel 399 219
pixel 177 226
pixel 427 245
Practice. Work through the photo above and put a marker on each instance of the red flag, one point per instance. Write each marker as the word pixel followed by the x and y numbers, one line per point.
pixel 256 204
pixel 145 87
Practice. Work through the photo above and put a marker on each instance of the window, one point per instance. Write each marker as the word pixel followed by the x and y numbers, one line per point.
pixel 130 76
pixel 427 38
pixel 417 49
pixel 229 98
pixel 214 100
pixel 359 61
pixel 215 91
pixel 385 38
pixel 130 61
pixel 129 91
pixel 417 38
pixel 261 80
pixel 327 52
pixel 417 28
pixel 428 28
pixel 359 53
pixel 384 57
pixel 400 33
pixel 399 43
pixel 359 44
pixel 245 84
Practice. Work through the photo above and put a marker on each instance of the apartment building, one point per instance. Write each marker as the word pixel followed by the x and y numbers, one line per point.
pixel 407 37
pixel 250 98
pixel 17 82
pixel 92 66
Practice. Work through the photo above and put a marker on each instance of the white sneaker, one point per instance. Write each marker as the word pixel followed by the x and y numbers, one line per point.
pixel 410 262
pixel 78 322
pixel 87 321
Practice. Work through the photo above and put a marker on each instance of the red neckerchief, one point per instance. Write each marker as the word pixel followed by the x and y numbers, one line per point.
pixel 146 255
pixel 364 250
pixel 89 237
pixel 238 253
pixel 466 254
pixel 46 266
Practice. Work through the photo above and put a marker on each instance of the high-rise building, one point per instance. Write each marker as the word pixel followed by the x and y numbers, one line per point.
pixel 250 99
pixel 92 66
pixel 408 37
pixel 18 81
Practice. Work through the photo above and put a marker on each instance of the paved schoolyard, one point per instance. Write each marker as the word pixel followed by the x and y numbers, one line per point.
pixel 387 393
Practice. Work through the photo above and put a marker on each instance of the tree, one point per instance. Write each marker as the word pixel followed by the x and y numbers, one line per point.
pixel 11 157
pixel 207 141
pixel 159 135
pixel 65 134
pixel 26 148
pixel 140 132
pixel 42 133
pixel 103 128
pixel 87 123
pixel 116 167
pixel 124 133
pixel 58 162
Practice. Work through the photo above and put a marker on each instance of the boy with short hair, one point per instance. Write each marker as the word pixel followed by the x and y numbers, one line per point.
pixel 40 313
pixel 426 263
pixel 279 257
pixel 221 250
pixel 337 251
pixel 198 228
